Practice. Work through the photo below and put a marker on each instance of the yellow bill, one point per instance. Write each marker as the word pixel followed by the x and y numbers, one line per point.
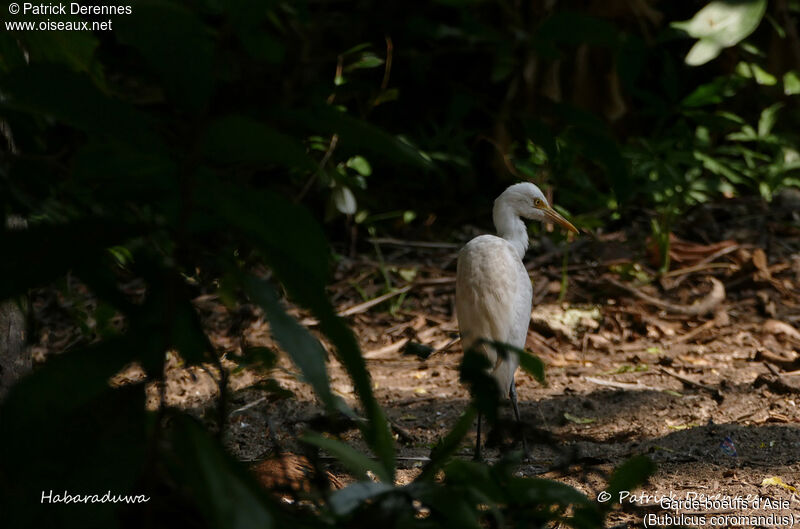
pixel 555 217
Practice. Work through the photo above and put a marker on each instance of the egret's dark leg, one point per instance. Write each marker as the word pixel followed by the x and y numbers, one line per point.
pixel 478 440
pixel 513 396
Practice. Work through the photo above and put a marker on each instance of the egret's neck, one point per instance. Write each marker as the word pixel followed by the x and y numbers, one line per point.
pixel 510 227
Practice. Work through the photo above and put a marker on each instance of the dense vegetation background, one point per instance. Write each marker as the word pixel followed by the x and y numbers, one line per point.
pixel 197 140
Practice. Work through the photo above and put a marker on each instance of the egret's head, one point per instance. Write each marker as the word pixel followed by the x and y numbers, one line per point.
pixel 526 200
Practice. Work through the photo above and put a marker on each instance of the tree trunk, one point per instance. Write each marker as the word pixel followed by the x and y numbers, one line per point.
pixel 15 356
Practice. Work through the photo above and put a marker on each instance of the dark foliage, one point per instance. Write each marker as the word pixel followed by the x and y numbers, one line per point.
pixel 196 139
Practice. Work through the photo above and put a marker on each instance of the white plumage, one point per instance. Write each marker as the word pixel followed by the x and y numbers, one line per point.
pixel 493 302
pixel 493 290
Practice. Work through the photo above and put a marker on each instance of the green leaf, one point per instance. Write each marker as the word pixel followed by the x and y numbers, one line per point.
pixel 276 226
pixel 65 383
pixel 77 102
pixel 368 60
pixel 578 420
pixel 459 473
pixel 448 506
pixel 791 83
pixel 251 19
pixel 474 372
pixel 391 94
pixel 376 430
pixel 767 119
pixel 84 445
pixel 529 362
pixel 629 475
pixel 360 165
pixel 11 55
pixel 111 172
pixel 219 486
pixel 448 445
pixel 710 93
pixel 73 49
pixel 178 46
pixel 763 77
pixel 356 135
pixel 45 252
pixel 721 24
pixel 348 499
pixel 756 72
pixel 533 365
pixel 575 29
pixel 288 236
pixel 305 351
pixel 264 356
pixel 187 334
pixel 238 139
pixel 63 428
pixel 703 51
pixel 344 200
pixel 597 145
pixel 357 463
pixel 719 168
pixel 544 492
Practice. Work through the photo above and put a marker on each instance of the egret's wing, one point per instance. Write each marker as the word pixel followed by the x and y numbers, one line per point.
pixel 493 300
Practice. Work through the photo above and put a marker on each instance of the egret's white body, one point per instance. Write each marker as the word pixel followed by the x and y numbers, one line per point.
pixel 493 289
pixel 493 302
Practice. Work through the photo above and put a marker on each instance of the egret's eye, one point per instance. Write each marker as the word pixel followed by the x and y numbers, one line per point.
pixel 537 202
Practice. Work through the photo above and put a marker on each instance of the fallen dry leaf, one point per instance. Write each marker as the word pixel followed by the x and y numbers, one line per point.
pixel 775 480
pixel 778 328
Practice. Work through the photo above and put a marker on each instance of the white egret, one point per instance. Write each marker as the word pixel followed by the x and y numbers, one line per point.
pixel 493 290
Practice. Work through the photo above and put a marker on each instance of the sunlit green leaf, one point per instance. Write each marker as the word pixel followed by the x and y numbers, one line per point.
pixel 710 93
pixel 756 72
pixel 719 25
pixel 344 200
pixel 360 165
pixel 767 119
pixel 368 60
pixel 791 83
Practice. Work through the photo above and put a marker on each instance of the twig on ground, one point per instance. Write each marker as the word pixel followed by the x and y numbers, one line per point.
pixel 418 244
pixel 620 385
pixel 386 351
pixel 248 406
pixel 704 264
pixel 362 307
pixel 710 324
pixel 404 434
pixel 772 369
pixel 704 306
pixel 688 381
pixel 782 362
pixel 445 346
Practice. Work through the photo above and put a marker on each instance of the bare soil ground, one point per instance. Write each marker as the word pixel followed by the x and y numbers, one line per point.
pixel 711 394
